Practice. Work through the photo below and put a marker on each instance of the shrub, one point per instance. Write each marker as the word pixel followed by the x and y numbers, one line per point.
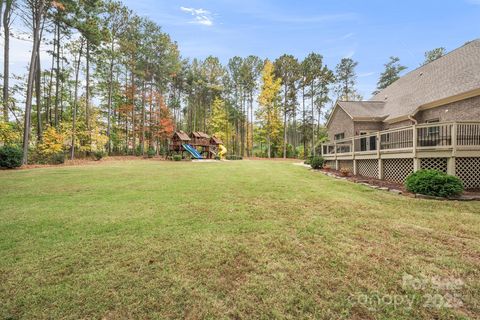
pixel 151 153
pixel 344 172
pixel 57 158
pixel 308 160
pixel 434 183
pixel 98 155
pixel 316 162
pixel 10 157
pixel 177 157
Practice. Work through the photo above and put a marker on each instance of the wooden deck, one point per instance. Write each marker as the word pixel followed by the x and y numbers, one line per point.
pixel 446 139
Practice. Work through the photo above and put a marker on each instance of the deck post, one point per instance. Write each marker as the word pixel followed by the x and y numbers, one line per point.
pixel 451 166
pixel 451 161
pixel 380 169
pixel 380 161
pixel 354 161
pixel 416 161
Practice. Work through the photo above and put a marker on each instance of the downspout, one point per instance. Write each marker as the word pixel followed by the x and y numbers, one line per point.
pixel 411 118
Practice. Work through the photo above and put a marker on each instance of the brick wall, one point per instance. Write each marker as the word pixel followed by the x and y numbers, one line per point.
pixel 339 123
pixel 468 109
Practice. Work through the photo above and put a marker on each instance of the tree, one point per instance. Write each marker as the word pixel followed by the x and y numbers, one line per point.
pixel 37 10
pixel 434 54
pixel 391 74
pixel 7 17
pixel 346 79
pixel 219 119
pixel 269 112
pixel 287 69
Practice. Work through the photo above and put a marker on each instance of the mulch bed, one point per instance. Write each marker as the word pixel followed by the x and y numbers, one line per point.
pixel 471 194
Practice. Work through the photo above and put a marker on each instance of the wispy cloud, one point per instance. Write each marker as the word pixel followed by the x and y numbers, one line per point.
pixel 347 36
pixel 201 16
pixel 366 74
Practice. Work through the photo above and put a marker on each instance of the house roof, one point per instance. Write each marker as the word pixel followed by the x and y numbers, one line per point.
pixel 198 134
pixel 182 135
pixel 363 109
pixel 455 75
pixel 216 140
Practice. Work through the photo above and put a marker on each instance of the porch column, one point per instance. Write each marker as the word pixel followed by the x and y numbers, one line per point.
pixel 416 164
pixel 354 166
pixel 416 161
pixel 380 169
pixel 451 166
pixel 451 161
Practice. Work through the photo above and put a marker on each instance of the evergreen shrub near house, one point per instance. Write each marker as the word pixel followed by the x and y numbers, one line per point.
pixel 434 183
pixel 10 157
pixel 177 157
pixel 308 160
pixel 317 162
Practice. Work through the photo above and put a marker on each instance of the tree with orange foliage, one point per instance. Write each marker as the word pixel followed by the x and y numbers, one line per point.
pixel 162 126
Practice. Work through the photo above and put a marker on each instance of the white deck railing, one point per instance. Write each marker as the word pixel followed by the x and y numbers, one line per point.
pixel 428 136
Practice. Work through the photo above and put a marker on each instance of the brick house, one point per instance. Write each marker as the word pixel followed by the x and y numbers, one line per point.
pixel 429 118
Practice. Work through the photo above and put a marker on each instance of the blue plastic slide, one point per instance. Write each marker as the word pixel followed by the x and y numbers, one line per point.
pixel 192 151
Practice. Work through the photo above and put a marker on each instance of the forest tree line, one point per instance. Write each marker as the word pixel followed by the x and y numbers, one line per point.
pixel 114 82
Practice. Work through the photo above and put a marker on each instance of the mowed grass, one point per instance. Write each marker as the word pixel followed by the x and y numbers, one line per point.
pixel 239 239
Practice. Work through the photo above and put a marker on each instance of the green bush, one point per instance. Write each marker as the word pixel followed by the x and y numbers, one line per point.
pixel 98 155
pixel 308 160
pixel 233 157
pixel 151 153
pixel 57 158
pixel 317 162
pixel 10 157
pixel 434 183
pixel 177 157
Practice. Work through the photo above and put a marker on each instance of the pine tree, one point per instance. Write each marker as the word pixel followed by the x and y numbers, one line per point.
pixel 391 74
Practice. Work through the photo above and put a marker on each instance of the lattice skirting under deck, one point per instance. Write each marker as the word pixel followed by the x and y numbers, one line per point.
pixel 367 168
pixel 439 164
pixel 468 169
pixel 397 170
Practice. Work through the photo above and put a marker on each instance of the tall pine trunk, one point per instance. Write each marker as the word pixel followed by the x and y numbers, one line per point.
pixel 285 122
pixel 75 102
pixel 57 74
pixel 38 97
pixel 37 12
pixel 6 56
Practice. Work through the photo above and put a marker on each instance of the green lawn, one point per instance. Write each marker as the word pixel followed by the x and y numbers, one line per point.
pixel 238 239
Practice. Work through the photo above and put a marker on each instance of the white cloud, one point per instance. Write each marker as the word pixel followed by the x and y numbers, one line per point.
pixel 348 35
pixel 366 74
pixel 201 16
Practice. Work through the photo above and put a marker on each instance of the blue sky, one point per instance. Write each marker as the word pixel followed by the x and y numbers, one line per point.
pixel 367 31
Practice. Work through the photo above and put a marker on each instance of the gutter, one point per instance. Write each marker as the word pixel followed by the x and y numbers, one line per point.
pixel 410 117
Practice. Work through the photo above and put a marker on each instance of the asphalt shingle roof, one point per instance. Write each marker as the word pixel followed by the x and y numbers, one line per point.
pixel 455 73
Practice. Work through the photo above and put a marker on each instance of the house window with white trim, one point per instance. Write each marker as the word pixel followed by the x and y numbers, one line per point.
pixel 339 136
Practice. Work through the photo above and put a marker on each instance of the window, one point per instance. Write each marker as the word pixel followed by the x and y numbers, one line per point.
pixel 368 144
pixel 339 136
pixel 433 130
